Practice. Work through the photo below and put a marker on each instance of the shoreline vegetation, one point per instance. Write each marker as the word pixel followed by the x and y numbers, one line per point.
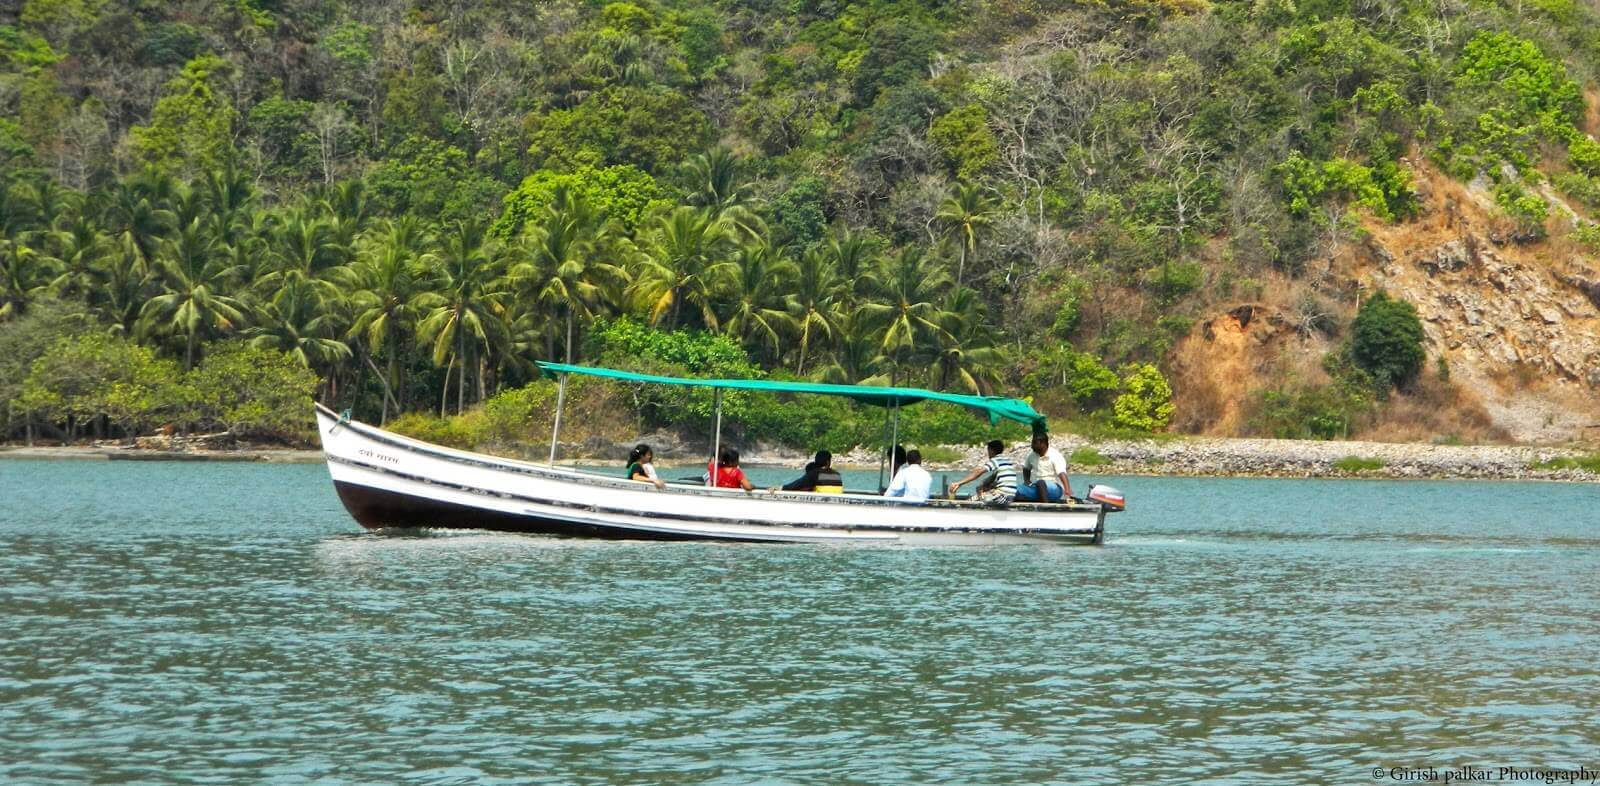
pixel 211 212
pixel 1180 457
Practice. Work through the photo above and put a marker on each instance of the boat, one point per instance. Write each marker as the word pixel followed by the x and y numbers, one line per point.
pixel 388 480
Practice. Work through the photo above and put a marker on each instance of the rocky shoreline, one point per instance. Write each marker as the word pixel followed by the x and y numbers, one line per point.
pixel 1278 458
pixel 1180 456
pixel 1310 459
pixel 132 453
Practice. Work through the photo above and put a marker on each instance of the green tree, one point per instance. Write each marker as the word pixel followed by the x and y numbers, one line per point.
pixel 651 128
pixel 1386 340
pixel 623 195
pixel 1147 403
pixel 86 379
pixel 684 259
pixel 195 281
pixel 427 177
pixel 465 305
pixel 758 303
pixel 964 138
pixel 191 127
pixel 963 217
pixel 284 128
pixel 253 392
pixel 568 267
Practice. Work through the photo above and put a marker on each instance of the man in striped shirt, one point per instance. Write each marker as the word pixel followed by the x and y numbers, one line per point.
pixel 999 473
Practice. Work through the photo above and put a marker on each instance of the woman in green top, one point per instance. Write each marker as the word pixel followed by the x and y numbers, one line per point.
pixel 640 468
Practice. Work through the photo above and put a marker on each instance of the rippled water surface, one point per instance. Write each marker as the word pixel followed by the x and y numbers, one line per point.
pixel 222 623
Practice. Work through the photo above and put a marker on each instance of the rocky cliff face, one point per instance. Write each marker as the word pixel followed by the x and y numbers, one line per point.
pixel 1516 324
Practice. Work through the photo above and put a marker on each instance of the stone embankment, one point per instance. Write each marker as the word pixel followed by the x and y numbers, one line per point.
pixel 1297 459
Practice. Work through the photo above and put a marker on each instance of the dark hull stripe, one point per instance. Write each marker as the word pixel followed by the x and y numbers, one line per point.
pixel 378 508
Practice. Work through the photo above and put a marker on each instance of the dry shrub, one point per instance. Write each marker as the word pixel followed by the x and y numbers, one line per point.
pixel 1433 409
pixel 1200 405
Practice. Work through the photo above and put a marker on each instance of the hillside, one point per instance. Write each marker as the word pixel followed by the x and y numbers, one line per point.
pixel 1323 219
pixel 1513 329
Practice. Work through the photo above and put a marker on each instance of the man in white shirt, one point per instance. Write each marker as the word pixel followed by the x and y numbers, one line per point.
pixel 912 483
pixel 1044 474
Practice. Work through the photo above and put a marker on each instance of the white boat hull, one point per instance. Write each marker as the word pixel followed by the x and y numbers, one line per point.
pixel 387 480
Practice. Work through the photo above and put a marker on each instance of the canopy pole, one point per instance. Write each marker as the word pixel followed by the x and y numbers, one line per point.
pixel 894 433
pixel 555 433
pixel 882 456
pixel 716 443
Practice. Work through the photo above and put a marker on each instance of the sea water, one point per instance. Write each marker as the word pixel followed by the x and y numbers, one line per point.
pixel 225 623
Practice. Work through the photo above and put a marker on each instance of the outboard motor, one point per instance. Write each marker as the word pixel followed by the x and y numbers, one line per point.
pixel 1108 497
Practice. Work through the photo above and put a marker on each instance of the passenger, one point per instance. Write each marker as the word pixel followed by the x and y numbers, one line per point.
pixel 640 468
pixel 897 459
pixel 999 475
pixel 1044 474
pixel 820 476
pixel 729 476
pixel 912 483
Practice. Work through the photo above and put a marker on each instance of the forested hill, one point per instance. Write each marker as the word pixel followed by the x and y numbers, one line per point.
pixel 1316 218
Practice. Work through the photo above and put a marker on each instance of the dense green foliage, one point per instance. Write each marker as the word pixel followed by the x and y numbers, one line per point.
pixel 91 382
pixel 415 199
pixel 1386 340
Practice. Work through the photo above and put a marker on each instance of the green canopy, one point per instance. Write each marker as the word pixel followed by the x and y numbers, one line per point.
pixel 993 406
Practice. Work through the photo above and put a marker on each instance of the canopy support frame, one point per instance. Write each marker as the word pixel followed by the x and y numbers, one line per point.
pixel 894 436
pixel 555 432
pixel 716 441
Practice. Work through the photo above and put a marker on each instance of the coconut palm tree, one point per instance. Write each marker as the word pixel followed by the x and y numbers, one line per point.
pixel 854 256
pixel 969 356
pixel 51 204
pixel 904 309
pixel 384 287
pixel 17 214
pixel 294 322
pixel 758 305
pixel 964 215
pixel 25 274
pixel 856 357
pixel 303 249
pixel 716 182
pixel 566 263
pixel 815 307
pixel 684 258
pixel 195 282
pixel 79 248
pixel 229 194
pixel 465 305
pixel 136 221
pixel 124 286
